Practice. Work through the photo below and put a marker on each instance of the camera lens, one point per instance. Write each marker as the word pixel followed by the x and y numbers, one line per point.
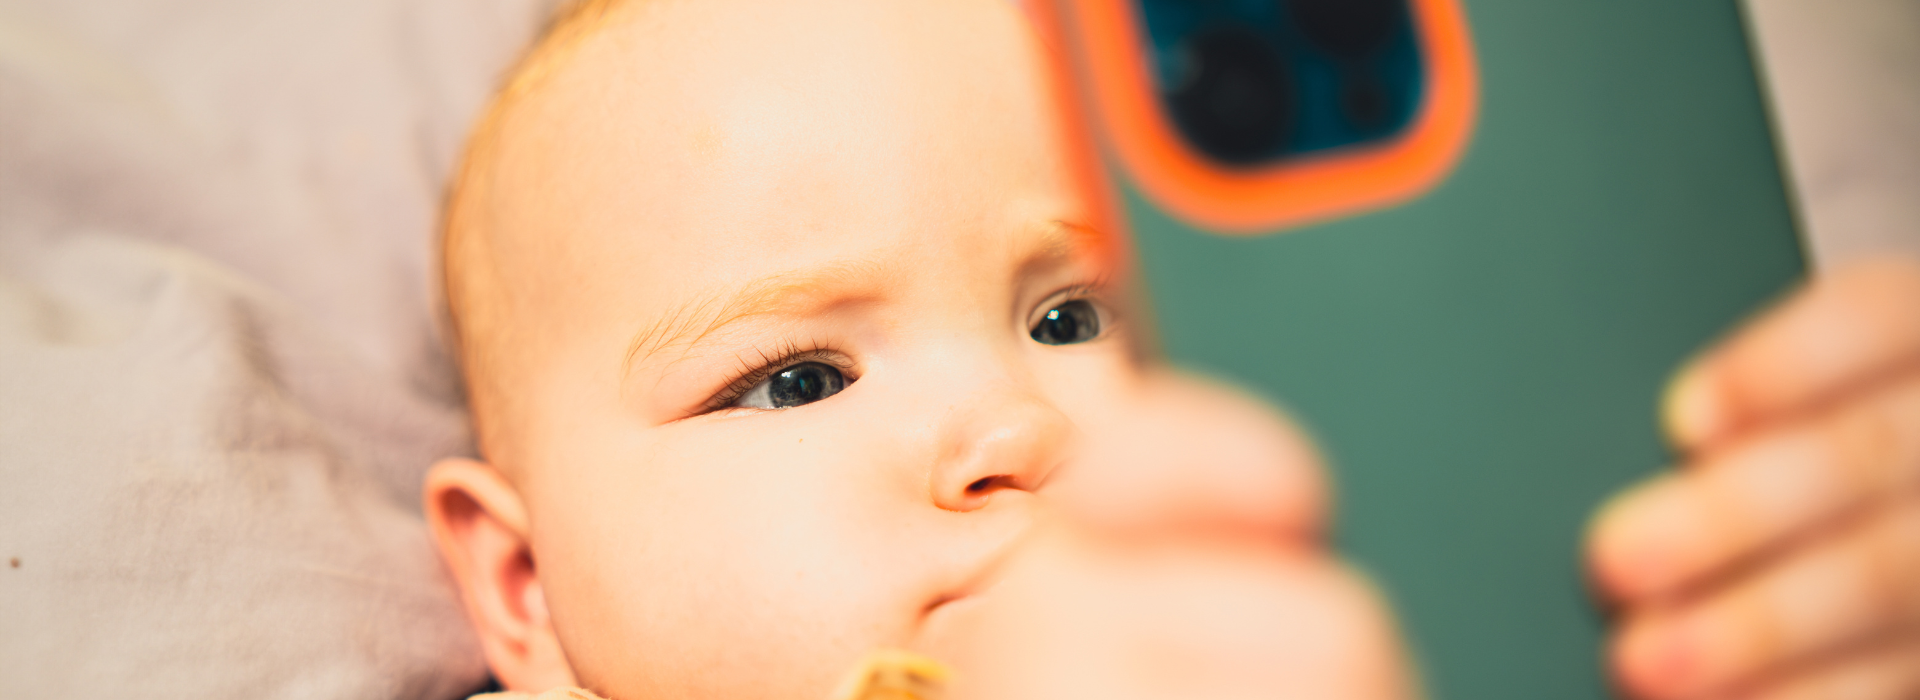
pixel 1363 101
pixel 1233 100
pixel 1347 28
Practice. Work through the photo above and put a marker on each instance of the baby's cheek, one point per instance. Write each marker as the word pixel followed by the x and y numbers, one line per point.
pixel 688 571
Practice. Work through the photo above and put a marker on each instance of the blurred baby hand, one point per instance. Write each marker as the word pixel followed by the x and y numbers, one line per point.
pixel 1081 617
pixel 1184 454
pixel 1782 560
pixel 1181 560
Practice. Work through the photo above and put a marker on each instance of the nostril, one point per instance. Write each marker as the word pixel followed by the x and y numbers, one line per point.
pixel 981 485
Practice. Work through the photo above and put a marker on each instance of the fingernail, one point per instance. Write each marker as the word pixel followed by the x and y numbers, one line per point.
pixel 1640 539
pixel 1693 412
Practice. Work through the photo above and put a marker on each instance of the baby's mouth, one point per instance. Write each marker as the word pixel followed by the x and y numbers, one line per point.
pixel 944 600
pixel 948 621
pixel 965 596
pixel 951 609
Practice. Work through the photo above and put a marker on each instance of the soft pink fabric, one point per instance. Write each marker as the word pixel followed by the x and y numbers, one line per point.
pixel 219 378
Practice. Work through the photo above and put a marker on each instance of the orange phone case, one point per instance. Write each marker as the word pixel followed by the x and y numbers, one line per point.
pixel 1108 50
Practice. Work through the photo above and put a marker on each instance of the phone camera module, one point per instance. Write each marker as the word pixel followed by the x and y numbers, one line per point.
pixel 1350 29
pixel 1364 102
pixel 1232 98
pixel 1247 84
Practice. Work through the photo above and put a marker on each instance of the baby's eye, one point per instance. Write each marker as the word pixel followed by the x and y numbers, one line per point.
pixel 798 385
pixel 1069 322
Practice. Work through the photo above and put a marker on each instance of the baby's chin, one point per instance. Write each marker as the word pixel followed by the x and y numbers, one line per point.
pixel 1073 618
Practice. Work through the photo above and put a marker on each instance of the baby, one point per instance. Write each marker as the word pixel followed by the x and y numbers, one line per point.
pixel 794 331
pixel 799 330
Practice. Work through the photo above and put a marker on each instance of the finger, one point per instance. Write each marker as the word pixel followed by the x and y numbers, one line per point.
pixel 1680 528
pixel 1887 672
pixel 1814 602
pixel 1842 329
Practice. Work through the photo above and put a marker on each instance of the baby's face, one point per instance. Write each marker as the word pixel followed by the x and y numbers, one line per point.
pixel 812 318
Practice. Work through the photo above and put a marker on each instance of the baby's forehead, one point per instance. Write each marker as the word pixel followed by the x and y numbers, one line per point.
pixel 798 129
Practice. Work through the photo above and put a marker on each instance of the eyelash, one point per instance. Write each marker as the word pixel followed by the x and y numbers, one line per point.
pixel 787 355
pixel 1093 290
pixel 790 354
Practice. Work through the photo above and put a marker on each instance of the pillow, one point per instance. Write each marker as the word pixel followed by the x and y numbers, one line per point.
pixel 220 382
pixel 1840 75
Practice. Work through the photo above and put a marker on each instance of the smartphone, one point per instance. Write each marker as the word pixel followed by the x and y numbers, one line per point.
pixel 1465 242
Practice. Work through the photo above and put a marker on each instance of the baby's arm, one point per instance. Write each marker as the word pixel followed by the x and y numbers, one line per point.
pixel 1782 560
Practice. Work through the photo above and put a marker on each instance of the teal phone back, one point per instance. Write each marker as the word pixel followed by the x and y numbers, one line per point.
pixel 1483 365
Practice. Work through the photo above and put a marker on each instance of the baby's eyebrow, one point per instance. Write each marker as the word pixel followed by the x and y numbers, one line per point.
pixel 795 292
pixel 803 292
pixel 1060 239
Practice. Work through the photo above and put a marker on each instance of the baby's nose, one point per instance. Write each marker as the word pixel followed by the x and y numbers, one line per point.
pixel 1000 440
pixel 1188 456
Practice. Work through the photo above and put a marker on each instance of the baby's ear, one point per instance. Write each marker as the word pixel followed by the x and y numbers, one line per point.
pixel 480 525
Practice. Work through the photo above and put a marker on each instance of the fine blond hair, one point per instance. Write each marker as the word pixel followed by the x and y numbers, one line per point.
pixel 472 298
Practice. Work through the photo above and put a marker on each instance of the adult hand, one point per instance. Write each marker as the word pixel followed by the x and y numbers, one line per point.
pixel 1782 558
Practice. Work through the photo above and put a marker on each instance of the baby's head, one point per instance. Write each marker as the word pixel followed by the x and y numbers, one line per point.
pixel 783 322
